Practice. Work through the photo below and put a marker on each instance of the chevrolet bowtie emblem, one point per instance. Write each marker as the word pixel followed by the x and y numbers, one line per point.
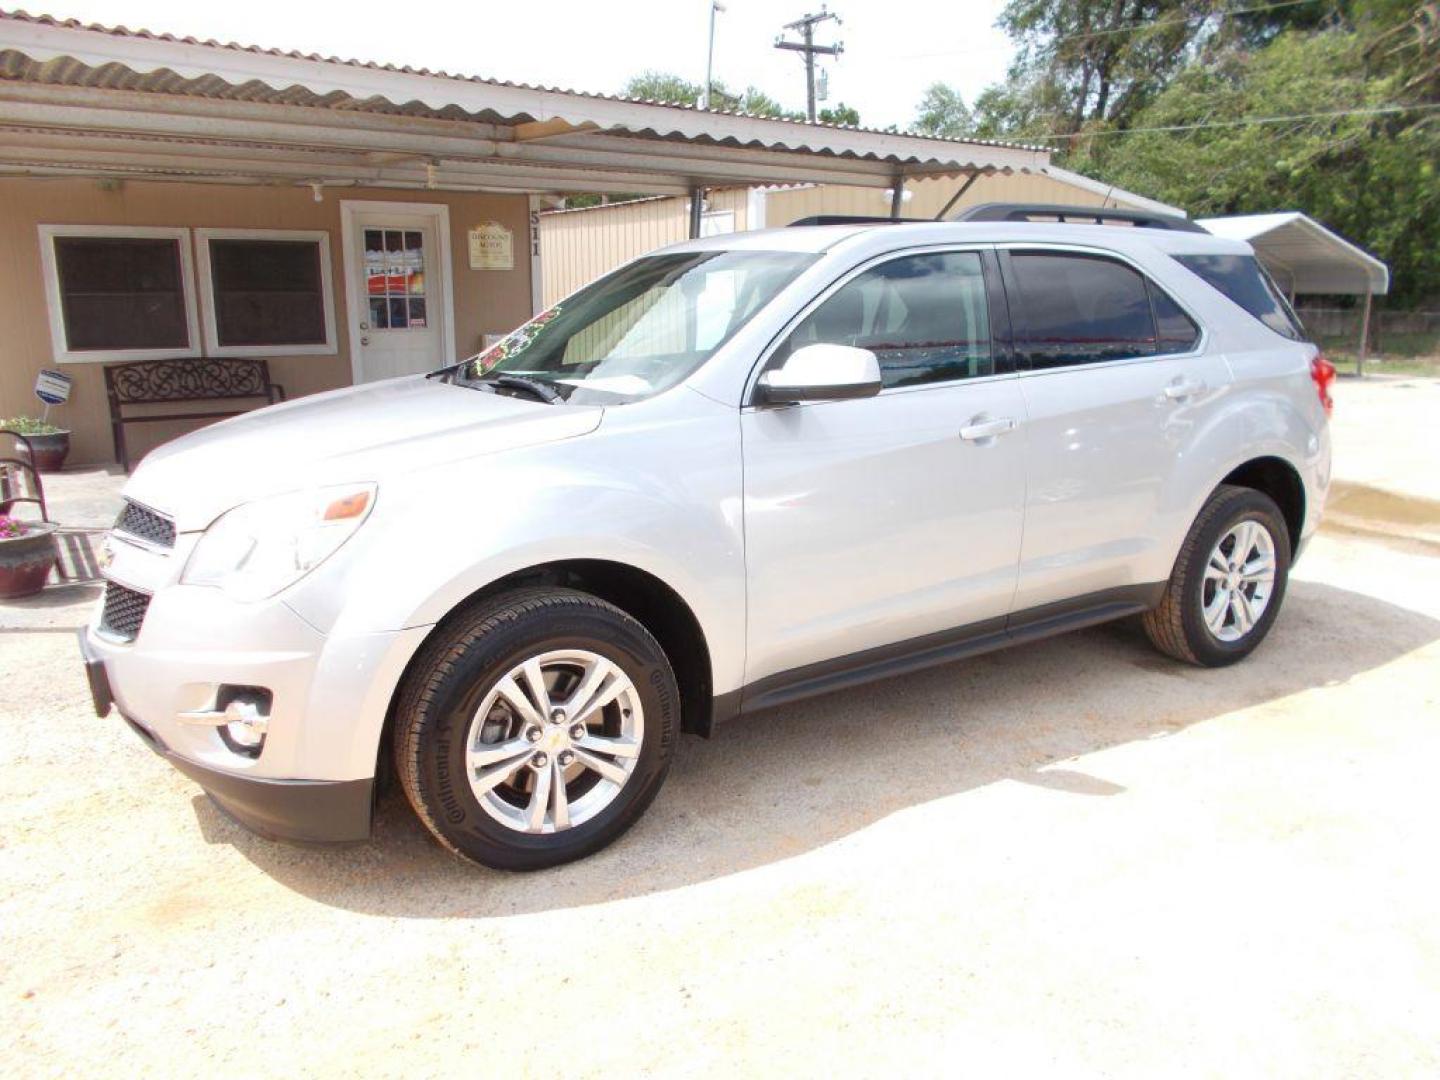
pixel 106 556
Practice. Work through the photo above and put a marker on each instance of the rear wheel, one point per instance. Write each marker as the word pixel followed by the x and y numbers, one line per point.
pixel 1228 583
pixel 536 729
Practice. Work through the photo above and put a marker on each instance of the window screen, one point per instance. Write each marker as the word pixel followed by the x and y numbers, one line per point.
pixel 924 317
pixel 267 292
pixel 1244 280
pixel 121 292
pixel 1080 309
pixel 1176 332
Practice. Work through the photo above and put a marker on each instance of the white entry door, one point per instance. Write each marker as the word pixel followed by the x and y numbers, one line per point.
pixel 399 294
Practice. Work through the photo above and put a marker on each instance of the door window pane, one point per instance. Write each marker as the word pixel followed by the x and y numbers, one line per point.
pixel 267 292
pixel 1080 309
pixel 395 271
pixel 1175 331
pixel 121 292
pixel 924 317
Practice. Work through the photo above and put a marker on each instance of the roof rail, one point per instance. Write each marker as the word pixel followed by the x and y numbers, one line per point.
pixel 1082 215
pixel 849 219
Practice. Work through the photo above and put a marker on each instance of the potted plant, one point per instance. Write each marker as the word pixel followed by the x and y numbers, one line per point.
pixel 48 444
pixel 27 553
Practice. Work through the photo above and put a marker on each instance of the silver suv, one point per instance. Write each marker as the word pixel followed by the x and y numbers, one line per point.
pixel 734 473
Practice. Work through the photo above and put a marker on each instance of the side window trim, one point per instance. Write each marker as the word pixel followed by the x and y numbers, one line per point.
pixel 767 354
pixel 1012 288
pixel 1002 339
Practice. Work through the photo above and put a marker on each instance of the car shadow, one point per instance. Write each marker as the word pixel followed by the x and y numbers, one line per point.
pixel 775 785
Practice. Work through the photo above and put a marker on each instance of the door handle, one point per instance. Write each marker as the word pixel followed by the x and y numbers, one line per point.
pixel 1177 390
pixel 979 429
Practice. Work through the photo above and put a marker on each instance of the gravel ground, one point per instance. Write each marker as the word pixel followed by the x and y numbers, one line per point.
pixel 1076 857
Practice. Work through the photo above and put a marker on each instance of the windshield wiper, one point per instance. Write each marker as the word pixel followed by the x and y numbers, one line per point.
pixel 536 387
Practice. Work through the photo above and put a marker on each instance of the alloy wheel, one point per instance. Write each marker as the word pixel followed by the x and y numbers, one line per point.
pixel 554 741
pixel 1239 580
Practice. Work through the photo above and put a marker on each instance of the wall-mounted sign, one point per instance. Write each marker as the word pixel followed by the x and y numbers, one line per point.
pixel 492 247
pixel 52 387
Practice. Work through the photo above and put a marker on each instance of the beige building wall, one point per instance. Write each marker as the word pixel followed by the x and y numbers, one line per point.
pixel 485 301
pixel 578 246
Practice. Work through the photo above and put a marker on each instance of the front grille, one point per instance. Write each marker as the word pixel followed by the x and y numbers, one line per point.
pixel 141 521
pixel 124 611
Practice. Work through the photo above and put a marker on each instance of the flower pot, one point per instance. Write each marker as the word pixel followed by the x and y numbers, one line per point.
pixel 48 451
pixel 26 561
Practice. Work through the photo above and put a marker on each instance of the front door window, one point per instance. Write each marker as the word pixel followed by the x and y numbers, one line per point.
pixel 395 279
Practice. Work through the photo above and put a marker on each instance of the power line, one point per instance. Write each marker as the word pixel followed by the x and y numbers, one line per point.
pixel 1127 29
pixel 1376 111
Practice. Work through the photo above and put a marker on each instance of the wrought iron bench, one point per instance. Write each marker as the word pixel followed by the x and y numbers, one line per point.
pixel 163 382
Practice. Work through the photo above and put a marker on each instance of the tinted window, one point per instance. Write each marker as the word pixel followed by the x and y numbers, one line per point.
pixel 267 292
pixel 1243 279
pixel 121 292
pixel 1080 309
pixel 1175 331
pixel 924 317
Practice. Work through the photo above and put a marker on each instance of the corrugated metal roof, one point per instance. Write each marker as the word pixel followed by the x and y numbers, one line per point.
pixel 44 58
pixel 1303 255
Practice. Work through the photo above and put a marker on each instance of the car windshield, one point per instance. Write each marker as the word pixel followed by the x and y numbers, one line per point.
pixel 637 331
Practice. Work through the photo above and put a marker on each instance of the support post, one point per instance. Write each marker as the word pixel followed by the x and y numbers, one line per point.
pixel 697 200
pixel 969 180
pixel 1364 336
pixel 897 196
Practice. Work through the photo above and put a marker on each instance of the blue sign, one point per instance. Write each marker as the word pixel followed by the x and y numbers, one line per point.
pixel 52 387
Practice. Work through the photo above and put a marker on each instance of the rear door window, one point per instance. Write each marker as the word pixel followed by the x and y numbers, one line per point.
pixel 1080 309
pixel 925 317
pixel 1244 280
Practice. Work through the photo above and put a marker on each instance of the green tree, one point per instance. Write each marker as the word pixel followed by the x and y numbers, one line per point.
pixel 942 112
pixel 663 86
pixel 1086 60
pixel 840 114
pixel 1206 143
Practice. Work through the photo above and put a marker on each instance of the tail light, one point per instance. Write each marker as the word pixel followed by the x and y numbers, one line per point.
pixel 1323 372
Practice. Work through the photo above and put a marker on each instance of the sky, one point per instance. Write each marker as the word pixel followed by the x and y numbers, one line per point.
pixel 894 49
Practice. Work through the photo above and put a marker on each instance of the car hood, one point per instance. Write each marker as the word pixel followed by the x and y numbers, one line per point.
pixel 357 433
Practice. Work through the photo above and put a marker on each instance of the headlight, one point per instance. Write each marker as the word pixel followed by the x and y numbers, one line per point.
pixel 259 548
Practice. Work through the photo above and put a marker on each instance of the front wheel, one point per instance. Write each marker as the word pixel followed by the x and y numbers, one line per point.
pixel 536 728
pixel 1228 583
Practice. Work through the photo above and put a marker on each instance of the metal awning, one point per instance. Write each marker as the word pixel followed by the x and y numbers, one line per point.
pixel 89 100
pixel 1303 256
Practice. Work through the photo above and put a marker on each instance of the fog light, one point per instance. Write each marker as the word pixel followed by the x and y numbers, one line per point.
pixel 241 717
pixel 248 728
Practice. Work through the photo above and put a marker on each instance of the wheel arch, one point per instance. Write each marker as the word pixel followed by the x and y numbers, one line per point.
pixel 1280 480
pixel 648 599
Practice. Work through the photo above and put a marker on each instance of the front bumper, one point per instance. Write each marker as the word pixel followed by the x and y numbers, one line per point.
pixel 307 810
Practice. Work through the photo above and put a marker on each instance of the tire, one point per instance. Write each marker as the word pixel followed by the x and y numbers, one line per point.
pixel 1179 626
pixel 476 781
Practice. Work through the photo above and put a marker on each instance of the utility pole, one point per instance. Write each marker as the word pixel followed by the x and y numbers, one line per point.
pixel 715 6
pixel 805 27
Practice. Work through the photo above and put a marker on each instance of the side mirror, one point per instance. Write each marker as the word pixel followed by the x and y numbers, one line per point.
pixel 821 373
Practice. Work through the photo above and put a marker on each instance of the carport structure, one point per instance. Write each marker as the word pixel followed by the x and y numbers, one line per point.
pixel 1305 258
pixel 344 221
pixel 98 101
